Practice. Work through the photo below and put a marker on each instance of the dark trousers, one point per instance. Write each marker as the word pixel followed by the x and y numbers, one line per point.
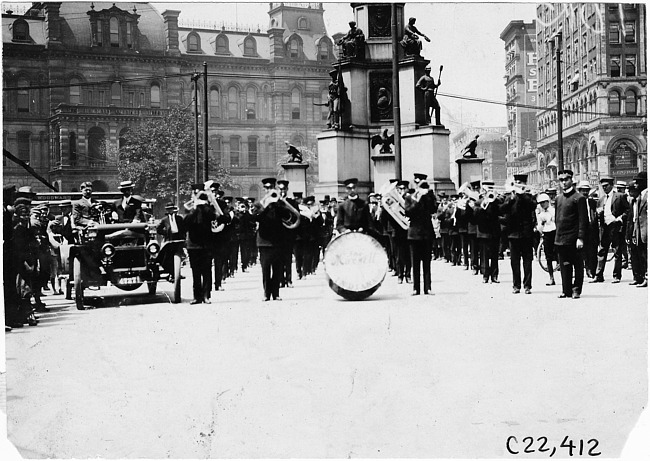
pixel 590 253
pixel 233 260
pixel 200 262
pixel 271 262
pixel 639 261
pixel 219 253
pixel 548 240
pixel 287 263
pixel 521 249
pixel 464 248
pixel 611 237
pixel 446 245
pixel 572 268
pixel 421 253
pixel 489 248
pixel 455 249
pixel 403 257
pixel 474 254
pixel 299 249
pixel 245 248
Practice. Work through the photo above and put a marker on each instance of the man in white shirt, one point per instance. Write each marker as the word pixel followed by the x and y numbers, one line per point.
pixel 612 208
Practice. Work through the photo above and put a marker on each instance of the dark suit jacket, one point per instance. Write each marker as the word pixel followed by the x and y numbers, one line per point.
pixel 133 210
pixel 81 212
pixel 419 214
pixel 640 227
pixel 352 215
pixel 520 216
pixel 570 218
pixel 165 229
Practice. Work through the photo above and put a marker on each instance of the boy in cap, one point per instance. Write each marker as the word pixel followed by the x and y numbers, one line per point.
pixel 611 209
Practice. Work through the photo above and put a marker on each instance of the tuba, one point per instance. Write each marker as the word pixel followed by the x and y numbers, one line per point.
pixel 288 214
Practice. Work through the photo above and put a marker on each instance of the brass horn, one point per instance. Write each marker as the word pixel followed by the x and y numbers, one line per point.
pixel 289 215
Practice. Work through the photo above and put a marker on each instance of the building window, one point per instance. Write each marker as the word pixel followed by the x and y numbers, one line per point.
pixel 614 35
pixel 115 32
pixel 215 103
pixel 155 95
pixel 303 23
pixel 234 151
pixel 294 48
pixel 96 144
pixel 295 104
pixel 98 33
pixel 630 102
pixel 75 91
pixel 250 48
pixel 252 151
pixel 23 96
pixel 221 46
pixel 233 102
pixel 23 140
pixel 20 30
pixel 101 97
pixel 323 50
pixel 131 99
pixel 215 143
pixel 614 100
pixel 615 66
pixel 251 104
pixel 630 65
pixel 193 43
pixel 630 32
pixel 116 93
pixel 72 145
pixel 129 35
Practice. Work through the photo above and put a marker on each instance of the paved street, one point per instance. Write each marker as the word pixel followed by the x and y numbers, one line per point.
pixel 449 375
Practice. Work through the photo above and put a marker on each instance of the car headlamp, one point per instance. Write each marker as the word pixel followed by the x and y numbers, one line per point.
pixel 108 250
pixel 153 248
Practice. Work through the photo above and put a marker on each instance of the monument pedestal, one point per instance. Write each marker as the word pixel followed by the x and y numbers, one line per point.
pixel 425 149
pixel 469 169
pixel 384 169
pixel 343 155
pixel 296 174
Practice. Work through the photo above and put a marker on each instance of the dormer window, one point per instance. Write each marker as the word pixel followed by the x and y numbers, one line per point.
pixel 221 45
pixel 129 35
pixel 250 47
pixel 294 48
pixel 98 33
pixel 193 43
pixel 303 24
pixel 20 30
pixel 115 32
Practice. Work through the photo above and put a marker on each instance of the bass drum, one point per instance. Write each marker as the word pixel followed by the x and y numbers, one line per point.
pixel 355 264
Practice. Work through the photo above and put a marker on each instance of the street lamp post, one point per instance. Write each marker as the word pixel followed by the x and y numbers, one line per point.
pixel 205 121
pixel 560 146
pixel 195 79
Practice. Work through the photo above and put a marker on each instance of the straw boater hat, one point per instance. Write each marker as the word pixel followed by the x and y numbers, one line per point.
pixel 126 185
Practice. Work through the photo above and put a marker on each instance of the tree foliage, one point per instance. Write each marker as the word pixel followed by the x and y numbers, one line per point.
pixel 148 157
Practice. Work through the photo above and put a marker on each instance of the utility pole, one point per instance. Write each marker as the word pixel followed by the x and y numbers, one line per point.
pixel 195 79
pixel 178 186
pixel 205 121
pixel 397 119
pixel 560 147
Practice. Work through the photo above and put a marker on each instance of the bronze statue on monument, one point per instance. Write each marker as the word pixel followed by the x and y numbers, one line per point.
pixel 337 102
pixel 427 84
pixel 353 43
pixel 384 140
pixel 411 41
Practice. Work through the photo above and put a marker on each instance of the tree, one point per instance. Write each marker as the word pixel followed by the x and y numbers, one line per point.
pixel 148 157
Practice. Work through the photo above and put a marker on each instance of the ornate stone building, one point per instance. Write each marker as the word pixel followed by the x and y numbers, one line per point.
pixel 603 79
pixel 85 73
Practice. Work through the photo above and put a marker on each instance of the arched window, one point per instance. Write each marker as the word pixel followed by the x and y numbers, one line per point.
pixel 221 46
pixel 630 102
pixel 96 144
pixel 250 47
pixel 294 48
pixel 252 151
pixel 234 151
pixel 251 103
pixel 122 137
pixel 155 95
pixel 614 100
pixel 23 139
pixel 72 144
pixel 23 96
pixel 20 30
pixel 193 43
pixel 215 143
pixel 303 23
pixel 295 104
pixel 75 91
pixel 115 32
pixel 116 93
pixel 323 50
pixel 233 102
pixel 215 103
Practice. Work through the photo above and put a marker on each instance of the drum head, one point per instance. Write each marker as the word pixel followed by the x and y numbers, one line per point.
pixel 355 264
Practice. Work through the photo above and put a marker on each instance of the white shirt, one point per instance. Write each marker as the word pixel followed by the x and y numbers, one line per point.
pixel 546 219
pixel 607 211
pixel 172 223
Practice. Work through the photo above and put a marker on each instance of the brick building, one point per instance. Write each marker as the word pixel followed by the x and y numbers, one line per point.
pixel 85 73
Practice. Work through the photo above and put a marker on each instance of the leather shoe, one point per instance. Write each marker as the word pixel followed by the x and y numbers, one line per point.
pixel 495 280
pixel 527 291
pixel 616 281
pixel 485 280
pixel 277 298
pixel 562 296
pixel 266 299
pixel 41 308
pixel 634 282
pixel 196 301
pixel 427 292
pixel 551 283
pixel 515 291
pixel 415 293
pixel 575 295
pixel 597 280
pixel 643 285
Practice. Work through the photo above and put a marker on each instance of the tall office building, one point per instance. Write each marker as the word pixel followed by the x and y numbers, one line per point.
pixel 603 81
pixel 86 73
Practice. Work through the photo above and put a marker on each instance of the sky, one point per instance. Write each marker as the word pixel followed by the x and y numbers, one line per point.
pixel 464 39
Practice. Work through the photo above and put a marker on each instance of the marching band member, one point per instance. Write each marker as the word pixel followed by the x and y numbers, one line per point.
pixel 219 238
pixel 352 213
pixel 519 209
pixel 419 207
pixel 402 252
pixel 488 231
pixel 291 239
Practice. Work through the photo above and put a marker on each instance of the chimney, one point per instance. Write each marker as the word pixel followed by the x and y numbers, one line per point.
pixel 171 30
pixel 276 39
pixel 52 27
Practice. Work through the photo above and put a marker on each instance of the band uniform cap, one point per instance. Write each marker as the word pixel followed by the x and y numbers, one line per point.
pixel 424 185
pixel 403 184
pixel 584 184
pixel 543 198
pixel 126 185
pixel 475 184
pixel 269 182
pixel 227 199
pixel 566 172
pixel 297 194
pixel 420 176
pixel 334 199
pixel 352 23
pixel 641 175
pixel 333 72
pixel 443 194
pixel 453 196
pixel 607 179
pixel 215 185
pixel 393 181
pixel 351 182
pixel 240 200
pixel 283 182
pixel 310 198
pixel 551 190
pixel 411 191
pixel 488 183
pixel 521 177
pixel 427 68
pixel 197 186
pixel 372 194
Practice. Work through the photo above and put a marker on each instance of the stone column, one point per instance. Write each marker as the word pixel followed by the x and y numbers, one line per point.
pixel 384 169
pixel 296 174
pixel 469 169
